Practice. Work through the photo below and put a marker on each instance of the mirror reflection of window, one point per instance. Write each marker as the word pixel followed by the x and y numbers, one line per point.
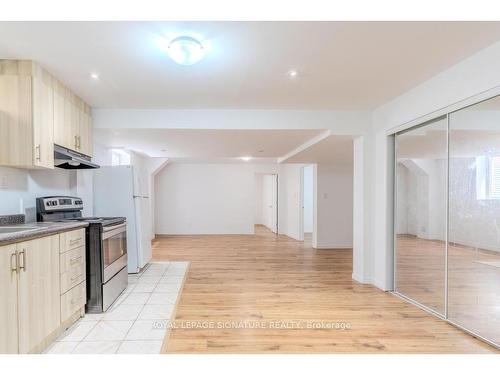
pixel 474 219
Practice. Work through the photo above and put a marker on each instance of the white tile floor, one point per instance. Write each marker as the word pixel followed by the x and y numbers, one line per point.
pixel 136 323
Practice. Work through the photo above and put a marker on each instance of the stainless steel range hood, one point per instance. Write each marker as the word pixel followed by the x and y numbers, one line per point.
pixel 69 159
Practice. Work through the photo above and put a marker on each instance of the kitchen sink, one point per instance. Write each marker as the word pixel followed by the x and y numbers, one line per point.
pixel 4 230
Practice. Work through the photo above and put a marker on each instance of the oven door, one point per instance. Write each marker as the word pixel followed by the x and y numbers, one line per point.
pixel 114 250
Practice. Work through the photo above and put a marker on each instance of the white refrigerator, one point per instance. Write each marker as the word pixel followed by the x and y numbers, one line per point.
pixel 122 191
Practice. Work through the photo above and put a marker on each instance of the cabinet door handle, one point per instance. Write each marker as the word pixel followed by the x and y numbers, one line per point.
pixel 13 267
pixel 22 266
pixel 79 142
pixel 76 142
pixel 75 260
pixel 37 152
pixel 76 240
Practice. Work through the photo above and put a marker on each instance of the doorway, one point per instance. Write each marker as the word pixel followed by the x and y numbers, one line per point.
pixel 266 201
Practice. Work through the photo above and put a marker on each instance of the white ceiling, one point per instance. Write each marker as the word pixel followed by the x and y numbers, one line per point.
pixel 206 145
pixel 341 65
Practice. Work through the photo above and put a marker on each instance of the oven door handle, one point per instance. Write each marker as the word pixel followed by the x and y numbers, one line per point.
pixel 113 227
pixel 108 232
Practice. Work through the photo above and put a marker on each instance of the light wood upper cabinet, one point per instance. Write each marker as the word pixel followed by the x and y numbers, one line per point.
pixel 8 298
pixel 85 140
pixel 63 130
pixel 38 291
pixel 43 123
pixel 36 112
pixel 72 123
pixel 26 115
pixel 16 126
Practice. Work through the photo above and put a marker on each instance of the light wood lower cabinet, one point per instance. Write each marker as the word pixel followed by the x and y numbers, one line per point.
pixel 42 285
pixel 72 268
pixel 73 300
pixel 38 292
pixel 72 240
pixel 8 298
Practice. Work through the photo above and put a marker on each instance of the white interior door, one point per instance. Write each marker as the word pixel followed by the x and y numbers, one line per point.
pixel 270 199
pixel 274 214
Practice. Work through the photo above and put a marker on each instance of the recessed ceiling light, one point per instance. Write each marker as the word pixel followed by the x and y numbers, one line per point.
pixel 246 158
pixel 94 76
pixel 185 50
pixel 292 73
pixel 163 150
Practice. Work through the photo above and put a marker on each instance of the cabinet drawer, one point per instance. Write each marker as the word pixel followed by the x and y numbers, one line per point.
pixel 72 301
pixel 72 268
pixel 72 240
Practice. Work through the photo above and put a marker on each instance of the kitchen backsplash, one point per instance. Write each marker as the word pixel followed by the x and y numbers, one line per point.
pixel 19 188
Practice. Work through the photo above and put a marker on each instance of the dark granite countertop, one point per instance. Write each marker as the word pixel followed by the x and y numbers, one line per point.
pixel 36 230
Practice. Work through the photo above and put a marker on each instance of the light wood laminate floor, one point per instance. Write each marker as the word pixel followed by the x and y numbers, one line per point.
pixel 268 278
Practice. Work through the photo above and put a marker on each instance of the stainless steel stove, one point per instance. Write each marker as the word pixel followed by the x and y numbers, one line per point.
pixel 106 249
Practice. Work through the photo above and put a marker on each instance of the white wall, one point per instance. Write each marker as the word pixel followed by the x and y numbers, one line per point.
pixel 19 188
pixel 206 198
pixel 334 207
pixel 473 76
pixel 308 198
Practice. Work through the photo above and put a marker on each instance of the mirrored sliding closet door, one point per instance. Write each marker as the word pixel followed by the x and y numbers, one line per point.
pixel 447 217
pixel 474 219
pixel 420 224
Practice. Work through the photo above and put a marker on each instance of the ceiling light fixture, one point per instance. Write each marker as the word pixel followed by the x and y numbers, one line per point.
pixel 246 158
pixel 292 73
pixel 94 76
pixel 185 50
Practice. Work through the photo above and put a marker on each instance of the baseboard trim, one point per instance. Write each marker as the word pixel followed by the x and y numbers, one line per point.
pixel 333 247
pixel 361 279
